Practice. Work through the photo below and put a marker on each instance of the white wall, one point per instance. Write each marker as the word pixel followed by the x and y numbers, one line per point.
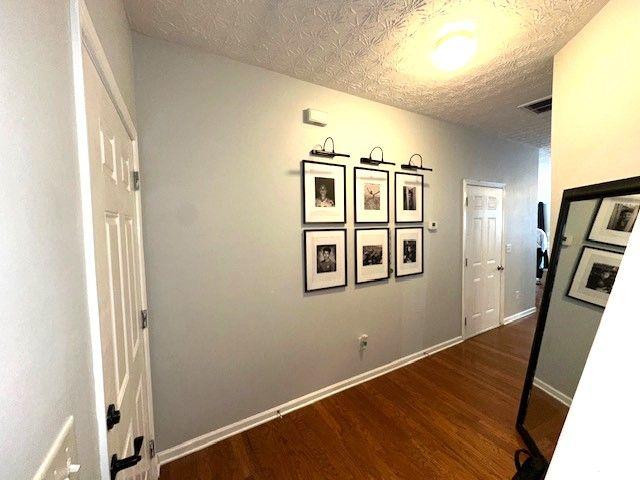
pixel 45 367
pixel 233 333
pixel 596 137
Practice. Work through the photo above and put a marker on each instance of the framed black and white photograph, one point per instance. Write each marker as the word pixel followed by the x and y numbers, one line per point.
pixel 323 192
pixel 615 219
pixel 372 254
pixel 595 275
pixel 409 197
pixel 409 251
pixel 371 195
pixel 325 259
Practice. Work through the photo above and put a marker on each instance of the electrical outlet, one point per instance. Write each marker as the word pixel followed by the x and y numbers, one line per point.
pixel 517 292
pixel 509 248
pixel 363 341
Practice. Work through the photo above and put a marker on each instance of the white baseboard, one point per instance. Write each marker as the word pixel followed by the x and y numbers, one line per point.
pixel 203 441
pixel 553 392
pixel 484 330
pixel 518 316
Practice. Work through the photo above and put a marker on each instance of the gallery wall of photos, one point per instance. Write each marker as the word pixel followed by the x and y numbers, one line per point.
pixel 324 201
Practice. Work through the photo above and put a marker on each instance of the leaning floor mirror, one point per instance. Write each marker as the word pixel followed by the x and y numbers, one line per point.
pixel 591 235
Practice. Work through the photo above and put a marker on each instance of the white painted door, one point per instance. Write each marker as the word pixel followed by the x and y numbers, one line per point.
pixel 483 259
pixel 118 269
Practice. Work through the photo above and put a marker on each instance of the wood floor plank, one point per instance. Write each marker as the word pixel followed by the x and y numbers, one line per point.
pixel 451 415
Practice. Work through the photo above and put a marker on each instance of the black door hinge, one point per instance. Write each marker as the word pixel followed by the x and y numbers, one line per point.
pixel 152 448
pixel 136 180
pixel 144 318
pixel 465 321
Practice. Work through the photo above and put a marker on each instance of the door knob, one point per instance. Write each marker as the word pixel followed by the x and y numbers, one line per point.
pixel 500 267
pixel 128 462
pixel 113 416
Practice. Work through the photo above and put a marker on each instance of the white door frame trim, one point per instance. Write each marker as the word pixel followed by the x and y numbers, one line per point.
pixel 84 35
pixel 481 183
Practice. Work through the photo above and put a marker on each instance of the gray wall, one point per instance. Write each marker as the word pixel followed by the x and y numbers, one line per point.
pixel 233 334
pixel 571 324
pixel 45 367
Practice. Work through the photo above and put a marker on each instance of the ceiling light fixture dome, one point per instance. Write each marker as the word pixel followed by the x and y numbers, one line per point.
pixel 455 47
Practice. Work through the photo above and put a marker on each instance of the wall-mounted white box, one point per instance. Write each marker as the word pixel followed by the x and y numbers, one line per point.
pixel 316 117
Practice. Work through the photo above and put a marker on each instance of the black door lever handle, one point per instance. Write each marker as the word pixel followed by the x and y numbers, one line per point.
pixel 128 462
pixel 113 416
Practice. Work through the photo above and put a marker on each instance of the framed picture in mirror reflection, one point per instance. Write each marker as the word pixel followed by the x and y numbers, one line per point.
pixel 614 220
pixel 595 275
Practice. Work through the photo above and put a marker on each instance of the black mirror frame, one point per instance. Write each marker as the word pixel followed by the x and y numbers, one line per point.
pixel 627 186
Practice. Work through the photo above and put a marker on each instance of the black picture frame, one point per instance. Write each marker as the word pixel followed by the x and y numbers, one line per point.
pixel 305 253
pixel 590 231
pixel 397 252
pixel 577 266
pixel 627 186
pixel 305 219
pixel 355 200
pixel 395 186
pixel 355 260
pixel 592 224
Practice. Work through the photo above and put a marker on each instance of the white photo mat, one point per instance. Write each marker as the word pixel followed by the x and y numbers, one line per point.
pixel 409 249
pixel 594 276
pixel 371 195
pixel 324 270
pixel 324 192
pixel 409 197
pixel 372 254
pixel 615 219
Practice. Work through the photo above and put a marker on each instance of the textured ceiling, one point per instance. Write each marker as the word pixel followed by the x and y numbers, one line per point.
pixel 378 49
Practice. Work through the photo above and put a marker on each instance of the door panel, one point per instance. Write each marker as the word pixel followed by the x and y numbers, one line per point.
pixel 117 256
pixel 113 326
pixel 482 277
pixel 133 282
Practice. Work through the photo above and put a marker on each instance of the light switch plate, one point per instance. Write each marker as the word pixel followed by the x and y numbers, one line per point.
pixel 509 248
pixel 61 462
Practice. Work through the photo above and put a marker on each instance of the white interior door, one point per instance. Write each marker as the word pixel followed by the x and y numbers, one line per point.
pixel 118 259
pixel 483 259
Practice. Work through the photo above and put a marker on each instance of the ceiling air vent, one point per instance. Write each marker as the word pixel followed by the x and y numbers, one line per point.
pixel 538 106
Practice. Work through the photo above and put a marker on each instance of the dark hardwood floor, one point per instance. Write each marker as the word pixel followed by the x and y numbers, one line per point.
pixel 449 416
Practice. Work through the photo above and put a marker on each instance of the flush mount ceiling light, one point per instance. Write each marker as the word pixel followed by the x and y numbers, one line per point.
pixel 455 47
